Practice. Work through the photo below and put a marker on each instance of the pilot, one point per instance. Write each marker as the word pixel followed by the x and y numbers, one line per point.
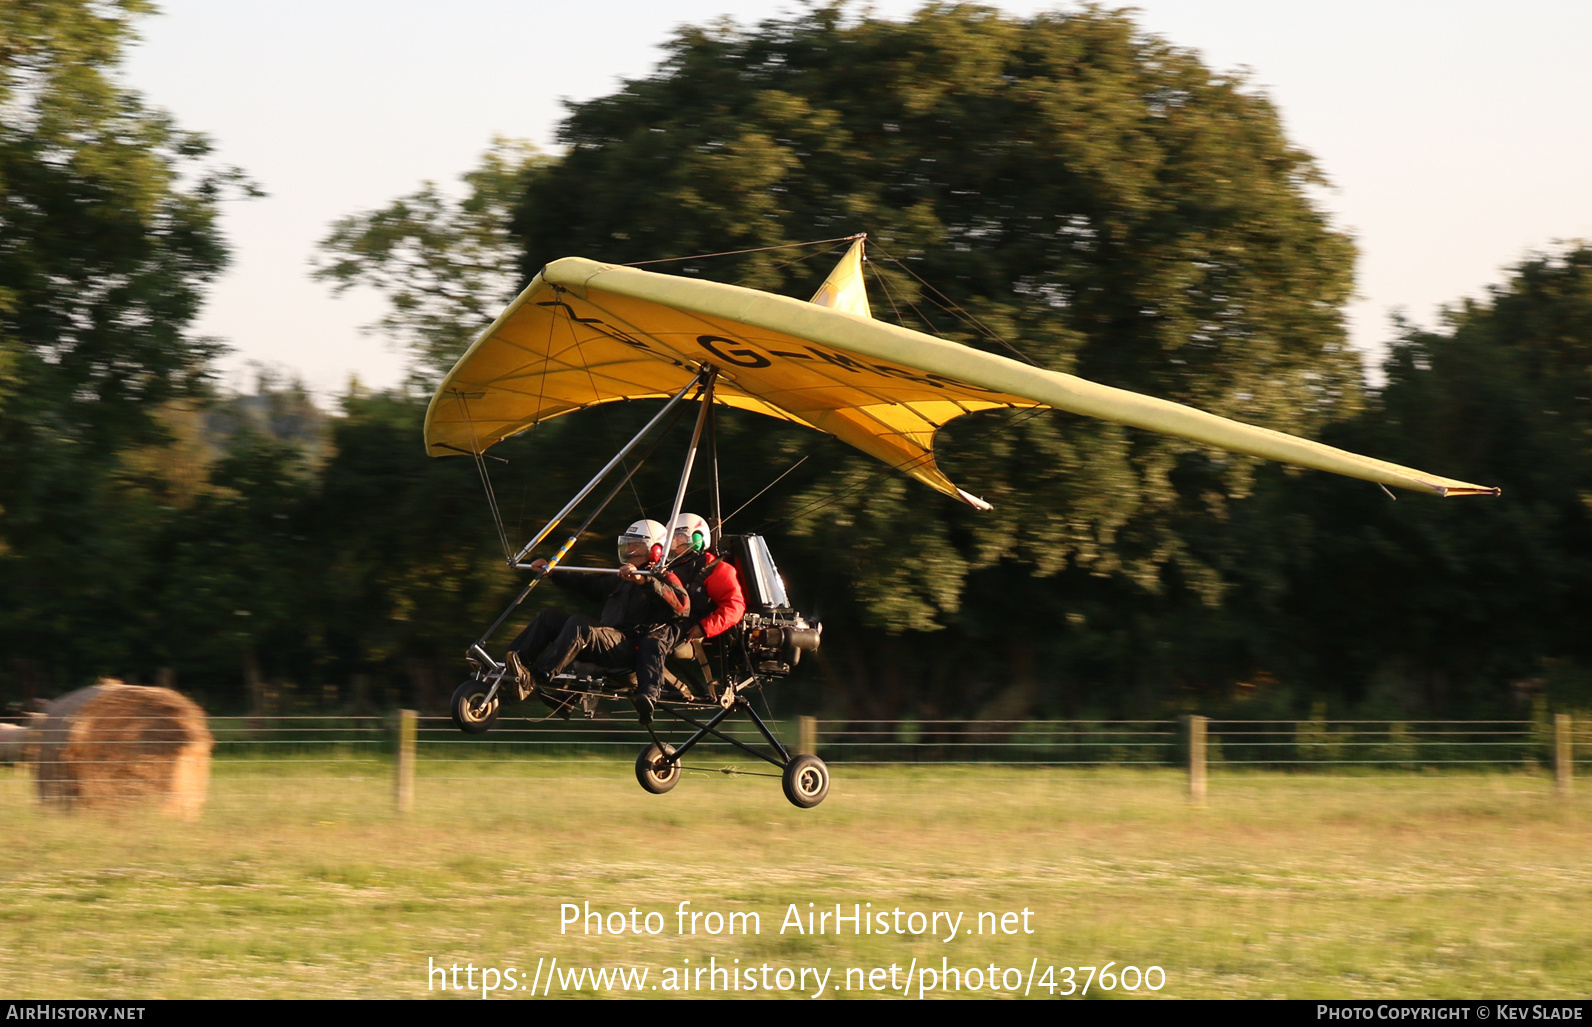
pixel 641 621
pixel 712 586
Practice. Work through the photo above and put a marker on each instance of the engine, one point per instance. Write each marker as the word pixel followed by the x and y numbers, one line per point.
pixel 776 641
pixel 776 635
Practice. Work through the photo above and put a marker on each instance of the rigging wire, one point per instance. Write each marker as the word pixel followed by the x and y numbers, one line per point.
pixel 791 263
pixel 652 447
pixel 486 479
pixel 935 295
pixel 777 480
pixel 884 284
pixel 956 310
pixel 733 253
pixel 717 508
pixel 927 325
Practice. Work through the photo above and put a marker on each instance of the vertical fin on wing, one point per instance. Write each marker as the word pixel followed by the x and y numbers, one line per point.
pixel 843 289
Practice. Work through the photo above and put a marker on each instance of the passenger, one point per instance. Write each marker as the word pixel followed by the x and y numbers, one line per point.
pixel 717 603
pixel 641 622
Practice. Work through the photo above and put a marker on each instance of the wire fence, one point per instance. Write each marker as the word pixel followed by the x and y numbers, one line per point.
pixel 1399 743
pixel 377 760
pixel 1290 744
pixel 1026 742
pixel 335 740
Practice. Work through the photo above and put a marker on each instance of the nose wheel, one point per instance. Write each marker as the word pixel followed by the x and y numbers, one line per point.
pixel 472 714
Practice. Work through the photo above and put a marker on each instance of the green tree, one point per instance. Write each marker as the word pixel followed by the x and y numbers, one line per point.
pixel 1088 191
pixel 1094 194
pixel 1092 191
pixel 408 571
pixel 229 588
pixel 1441 606
pixel 107 238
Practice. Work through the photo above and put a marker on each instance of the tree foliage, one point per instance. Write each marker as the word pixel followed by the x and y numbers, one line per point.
pixel 107 229
pixel 1095 196
pixel 1448 604
pixel 107 237
pixel 446 266
pixel 1092 193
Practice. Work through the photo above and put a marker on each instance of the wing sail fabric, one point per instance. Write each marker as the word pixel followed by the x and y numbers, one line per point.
pixel 584 333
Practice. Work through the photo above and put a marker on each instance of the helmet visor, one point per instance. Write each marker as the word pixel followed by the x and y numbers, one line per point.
pixel 635 550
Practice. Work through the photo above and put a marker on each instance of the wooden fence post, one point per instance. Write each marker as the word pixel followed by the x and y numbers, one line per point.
pixel 1563 754
pixel 807 735
pixel 1196 761
pixel 404 778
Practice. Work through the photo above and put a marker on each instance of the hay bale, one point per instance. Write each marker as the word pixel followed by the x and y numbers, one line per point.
pixel 119 747
pixel 13 744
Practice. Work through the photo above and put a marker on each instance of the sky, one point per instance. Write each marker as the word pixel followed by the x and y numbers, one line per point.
pixel 1456 134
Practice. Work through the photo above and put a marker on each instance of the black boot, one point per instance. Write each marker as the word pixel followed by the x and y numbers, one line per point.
pixel 524 685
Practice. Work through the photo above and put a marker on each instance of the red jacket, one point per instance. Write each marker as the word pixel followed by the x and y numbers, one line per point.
pixel 717 603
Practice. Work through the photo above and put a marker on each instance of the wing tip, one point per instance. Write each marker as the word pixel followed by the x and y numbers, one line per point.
pixel 972 500
pixel 1445 491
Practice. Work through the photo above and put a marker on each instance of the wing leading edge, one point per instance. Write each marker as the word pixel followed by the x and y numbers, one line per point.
pixel 584 333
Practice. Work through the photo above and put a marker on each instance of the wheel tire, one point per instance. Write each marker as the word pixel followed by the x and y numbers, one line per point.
pixel 806 780
pixel 467 711
pixel 654 778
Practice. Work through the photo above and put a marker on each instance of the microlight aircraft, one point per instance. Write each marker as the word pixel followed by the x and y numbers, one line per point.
pixel 585 333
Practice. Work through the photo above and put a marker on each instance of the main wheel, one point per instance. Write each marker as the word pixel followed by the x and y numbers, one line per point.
pixel 655 774
pixel 806 780
pixel 471 711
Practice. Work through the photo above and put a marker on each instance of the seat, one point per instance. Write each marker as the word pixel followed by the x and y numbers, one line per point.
pixel 688 665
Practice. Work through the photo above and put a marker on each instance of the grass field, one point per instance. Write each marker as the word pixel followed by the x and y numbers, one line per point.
pixel 300 882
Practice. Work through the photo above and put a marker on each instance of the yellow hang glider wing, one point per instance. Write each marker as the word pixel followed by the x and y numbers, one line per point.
pixel 584 333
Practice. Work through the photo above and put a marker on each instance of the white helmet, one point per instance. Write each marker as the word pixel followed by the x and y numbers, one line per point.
pixel 642 541
pixel 692 530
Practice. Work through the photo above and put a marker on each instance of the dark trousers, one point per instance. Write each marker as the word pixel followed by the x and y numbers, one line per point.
pixel 553 640
pixel 651 651
pixel 539 634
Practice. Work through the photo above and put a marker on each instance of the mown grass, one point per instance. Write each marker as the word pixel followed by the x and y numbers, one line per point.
pixel 300 882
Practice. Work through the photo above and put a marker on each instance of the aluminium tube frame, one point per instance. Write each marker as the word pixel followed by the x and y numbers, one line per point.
pixel 705 373
pixel 671 755
pixel 477 650
pixel 709 376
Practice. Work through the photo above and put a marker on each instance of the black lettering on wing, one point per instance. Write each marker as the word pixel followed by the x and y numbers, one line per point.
pixel 616 334
pixel 740 357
